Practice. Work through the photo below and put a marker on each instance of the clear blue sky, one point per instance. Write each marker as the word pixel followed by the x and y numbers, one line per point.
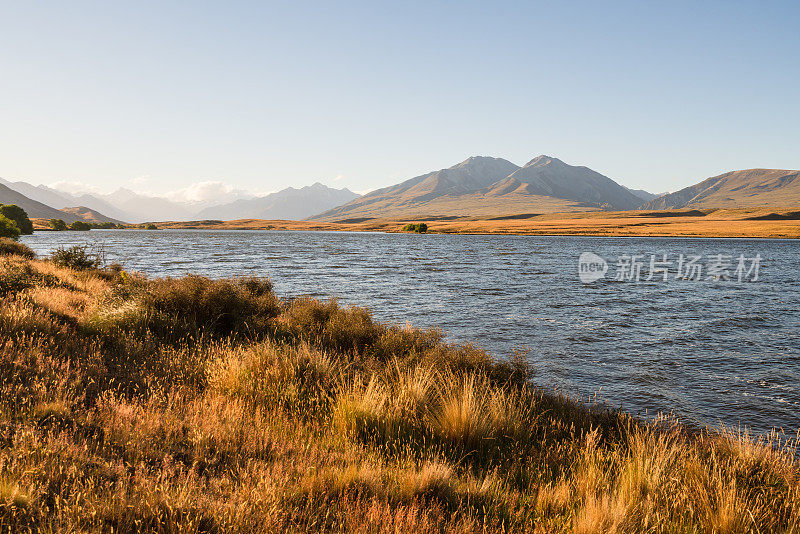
pixel 264 95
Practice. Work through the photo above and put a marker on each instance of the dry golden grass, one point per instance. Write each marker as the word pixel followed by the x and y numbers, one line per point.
pixel 728 222
pixel 309 417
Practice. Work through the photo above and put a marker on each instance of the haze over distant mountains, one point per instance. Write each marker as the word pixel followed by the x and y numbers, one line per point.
pixel 486 186
pixel 32 207
pixel 290 203
pixel 102 210
pixel 130 206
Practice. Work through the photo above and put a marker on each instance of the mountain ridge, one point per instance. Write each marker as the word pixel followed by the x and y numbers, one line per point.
pixel 483 185
pixel 744 188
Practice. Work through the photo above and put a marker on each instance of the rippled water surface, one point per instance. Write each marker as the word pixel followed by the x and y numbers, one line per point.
pixel 709 351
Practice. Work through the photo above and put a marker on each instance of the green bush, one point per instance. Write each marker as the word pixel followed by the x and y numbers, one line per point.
pixel 419 228
pixel 10 247
pixel 18 215
pixel 58 225
pixel 150 226
pixel 8 228
pixel 77 257
pixel 104 225
pixel 80 226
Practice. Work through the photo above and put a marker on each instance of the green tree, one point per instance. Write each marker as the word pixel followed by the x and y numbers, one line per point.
pixel 419 228
pixel 80 226
pixel 58 225
pixel 18 215
pixel 104 225
pixel 8 228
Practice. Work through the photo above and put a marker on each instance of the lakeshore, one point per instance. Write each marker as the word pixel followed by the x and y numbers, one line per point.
pixel 774 223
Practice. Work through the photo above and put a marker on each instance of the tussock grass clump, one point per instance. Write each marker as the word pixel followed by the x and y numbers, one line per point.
pixel 17 513
pixel 463 416
pixel 298 380
pixel 198 405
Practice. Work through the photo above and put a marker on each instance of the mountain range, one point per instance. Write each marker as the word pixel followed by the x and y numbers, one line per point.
pixel 41 201
pixel 290 203
pixel 80 206
pixel 32 207
pixel 478 186
pixel 485 186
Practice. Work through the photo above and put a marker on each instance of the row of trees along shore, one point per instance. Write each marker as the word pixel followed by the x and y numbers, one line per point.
pixel 14 222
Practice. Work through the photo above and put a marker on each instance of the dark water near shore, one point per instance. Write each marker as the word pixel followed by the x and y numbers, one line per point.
pixel 709 351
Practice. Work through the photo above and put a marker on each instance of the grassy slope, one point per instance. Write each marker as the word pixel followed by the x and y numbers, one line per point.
pixel 737 189
pixel 472 204
pixel 197 406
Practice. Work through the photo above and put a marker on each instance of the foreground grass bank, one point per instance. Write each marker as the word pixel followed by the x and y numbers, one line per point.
pixel 191 405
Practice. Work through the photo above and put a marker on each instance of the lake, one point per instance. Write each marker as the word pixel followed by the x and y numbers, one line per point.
pixel 709 348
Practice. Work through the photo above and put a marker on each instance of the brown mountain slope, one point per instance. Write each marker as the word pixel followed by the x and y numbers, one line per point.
pixel 737 189
pixel 481 186
pixel 90 215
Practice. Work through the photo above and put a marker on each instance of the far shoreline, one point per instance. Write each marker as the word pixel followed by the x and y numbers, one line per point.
pixel 762 222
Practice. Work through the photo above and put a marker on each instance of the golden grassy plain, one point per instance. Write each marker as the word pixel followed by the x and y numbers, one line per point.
pixel 745 222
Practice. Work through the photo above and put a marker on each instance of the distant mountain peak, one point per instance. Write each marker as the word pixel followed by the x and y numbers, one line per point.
pixel 544 160
pixel 476 160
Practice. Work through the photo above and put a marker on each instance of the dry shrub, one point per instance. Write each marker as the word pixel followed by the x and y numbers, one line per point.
pixel 327 325
pixel 9 247
pixel 401 341
pixel 78 257
pixel 196 305
pixel 16 276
